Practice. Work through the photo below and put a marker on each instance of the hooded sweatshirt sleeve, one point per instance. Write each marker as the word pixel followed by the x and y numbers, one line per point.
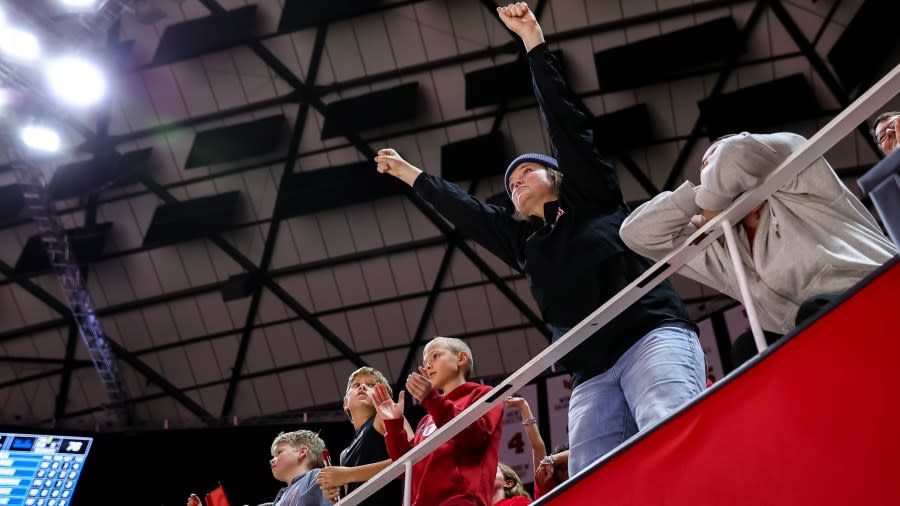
pixel 742 162
pixel 479 433
pixel 662 224
pixel 592 182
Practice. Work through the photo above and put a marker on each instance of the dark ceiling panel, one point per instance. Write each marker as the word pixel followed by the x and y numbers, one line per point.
pixel 759 108
pixel 669 56
pixel 623 129
pixel 131 165
pixel 868 43
pixel 237 142
pixel 476 157
pixel 206 35
pixel 11 202
pixel 82 178
pixel 190 219
pixel 300 14
pixel 319 190
pixel 496 85
pixel 86 244
pixel 364 112
pixel 239 286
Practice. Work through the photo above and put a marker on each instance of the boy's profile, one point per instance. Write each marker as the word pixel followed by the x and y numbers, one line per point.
pixel 462 471
pixel 296 461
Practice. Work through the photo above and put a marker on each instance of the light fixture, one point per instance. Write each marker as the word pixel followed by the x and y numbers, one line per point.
pixel 19 44
pixel 76 81
pixel 41 138
pixel 79 3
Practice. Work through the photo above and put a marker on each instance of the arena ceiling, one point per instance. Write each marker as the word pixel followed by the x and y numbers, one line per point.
pixel 241 252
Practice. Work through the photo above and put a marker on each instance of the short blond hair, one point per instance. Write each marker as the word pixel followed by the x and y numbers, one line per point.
pixel 456 346
pixel 368 371
pixel 301 438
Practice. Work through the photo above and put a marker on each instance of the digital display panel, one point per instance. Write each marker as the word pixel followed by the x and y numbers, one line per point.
pixel 40 470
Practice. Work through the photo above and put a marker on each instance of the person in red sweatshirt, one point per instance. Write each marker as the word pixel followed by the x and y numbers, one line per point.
pixel 460 472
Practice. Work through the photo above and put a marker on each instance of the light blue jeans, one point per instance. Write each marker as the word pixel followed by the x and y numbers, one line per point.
pixel 659 373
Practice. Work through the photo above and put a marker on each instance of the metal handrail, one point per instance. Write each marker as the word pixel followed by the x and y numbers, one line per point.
pixel 838 128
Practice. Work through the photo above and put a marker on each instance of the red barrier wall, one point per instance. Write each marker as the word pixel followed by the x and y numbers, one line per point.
pixel 815 422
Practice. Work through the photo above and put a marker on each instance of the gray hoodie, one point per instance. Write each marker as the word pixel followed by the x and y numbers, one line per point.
pixel 814 236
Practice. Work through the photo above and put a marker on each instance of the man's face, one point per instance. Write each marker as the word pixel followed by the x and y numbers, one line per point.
pixel 886 134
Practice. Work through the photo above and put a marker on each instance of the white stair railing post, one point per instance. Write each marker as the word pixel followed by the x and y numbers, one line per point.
pixel 407 483
pixel 746 298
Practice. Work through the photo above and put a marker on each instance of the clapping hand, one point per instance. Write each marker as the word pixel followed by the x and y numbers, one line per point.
pixel 419 384
pixel 387 408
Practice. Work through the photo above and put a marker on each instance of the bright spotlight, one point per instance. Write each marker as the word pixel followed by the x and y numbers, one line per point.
pixel 79 3
pixel 76 81
pixel 19 44
pixel 41 139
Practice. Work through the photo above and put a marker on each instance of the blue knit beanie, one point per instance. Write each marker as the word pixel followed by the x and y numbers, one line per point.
pixel 546 161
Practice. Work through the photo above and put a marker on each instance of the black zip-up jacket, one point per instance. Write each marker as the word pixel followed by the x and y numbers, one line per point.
pixel 577 261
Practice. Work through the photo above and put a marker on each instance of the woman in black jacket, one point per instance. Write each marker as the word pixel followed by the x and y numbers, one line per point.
pixel 565 237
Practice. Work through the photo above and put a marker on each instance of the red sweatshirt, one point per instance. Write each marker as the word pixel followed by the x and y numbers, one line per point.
pixel 462 470
pixel 516 500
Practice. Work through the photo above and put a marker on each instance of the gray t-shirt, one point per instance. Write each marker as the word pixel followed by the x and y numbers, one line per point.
pixel 303 491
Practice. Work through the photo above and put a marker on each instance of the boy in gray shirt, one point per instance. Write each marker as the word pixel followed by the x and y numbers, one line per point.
pixel 296 461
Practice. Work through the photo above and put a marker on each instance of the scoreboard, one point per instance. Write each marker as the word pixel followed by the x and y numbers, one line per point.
pixel 40 470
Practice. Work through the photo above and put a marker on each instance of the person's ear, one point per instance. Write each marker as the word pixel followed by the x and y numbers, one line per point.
pixel 508 484
pixel 462 360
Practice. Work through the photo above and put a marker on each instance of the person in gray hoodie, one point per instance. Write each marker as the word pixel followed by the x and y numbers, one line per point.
pixel 810 237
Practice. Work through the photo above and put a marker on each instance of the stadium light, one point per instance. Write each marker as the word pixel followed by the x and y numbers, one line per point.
pixel 41 138
pixel 79 3
pixel 76 81
pixel 19 44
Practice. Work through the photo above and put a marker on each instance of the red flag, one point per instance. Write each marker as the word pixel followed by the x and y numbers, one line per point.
pixel 217 497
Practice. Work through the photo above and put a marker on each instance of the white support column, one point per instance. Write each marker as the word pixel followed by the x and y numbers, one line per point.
pixel 746 298
pixel 407 483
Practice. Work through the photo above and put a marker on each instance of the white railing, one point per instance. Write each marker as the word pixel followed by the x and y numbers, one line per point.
pixel 842 125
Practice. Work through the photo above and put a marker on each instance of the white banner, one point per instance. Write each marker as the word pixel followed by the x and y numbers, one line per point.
pixel 515 450
pixel 559 389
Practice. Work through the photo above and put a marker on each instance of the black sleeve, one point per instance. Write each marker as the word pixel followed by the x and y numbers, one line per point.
pixel 587 179
pixel 491 226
